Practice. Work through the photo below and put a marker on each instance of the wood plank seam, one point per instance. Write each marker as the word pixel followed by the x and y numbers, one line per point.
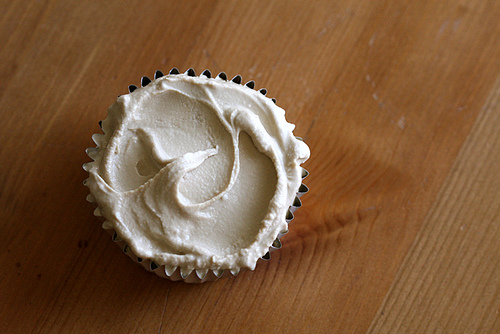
pixel 439 235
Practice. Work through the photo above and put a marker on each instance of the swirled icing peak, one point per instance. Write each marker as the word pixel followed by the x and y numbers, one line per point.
pixel 196 172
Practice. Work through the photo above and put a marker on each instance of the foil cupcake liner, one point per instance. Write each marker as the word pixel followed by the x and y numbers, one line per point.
pixel 185 274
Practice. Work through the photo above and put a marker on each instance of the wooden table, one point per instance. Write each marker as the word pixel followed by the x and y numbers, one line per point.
pixel 399 102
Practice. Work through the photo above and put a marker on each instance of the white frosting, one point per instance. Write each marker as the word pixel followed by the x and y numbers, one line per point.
pixel 196 172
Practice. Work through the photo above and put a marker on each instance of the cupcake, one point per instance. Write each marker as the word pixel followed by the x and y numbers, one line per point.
pixel 196 177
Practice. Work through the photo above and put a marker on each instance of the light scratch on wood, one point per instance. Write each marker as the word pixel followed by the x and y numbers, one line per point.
pixel 163 312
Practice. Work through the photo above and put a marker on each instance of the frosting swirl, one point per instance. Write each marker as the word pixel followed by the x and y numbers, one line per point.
pixel 196 172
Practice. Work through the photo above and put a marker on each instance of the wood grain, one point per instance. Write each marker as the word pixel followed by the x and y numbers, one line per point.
pixel 450 280
pixel 385 93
